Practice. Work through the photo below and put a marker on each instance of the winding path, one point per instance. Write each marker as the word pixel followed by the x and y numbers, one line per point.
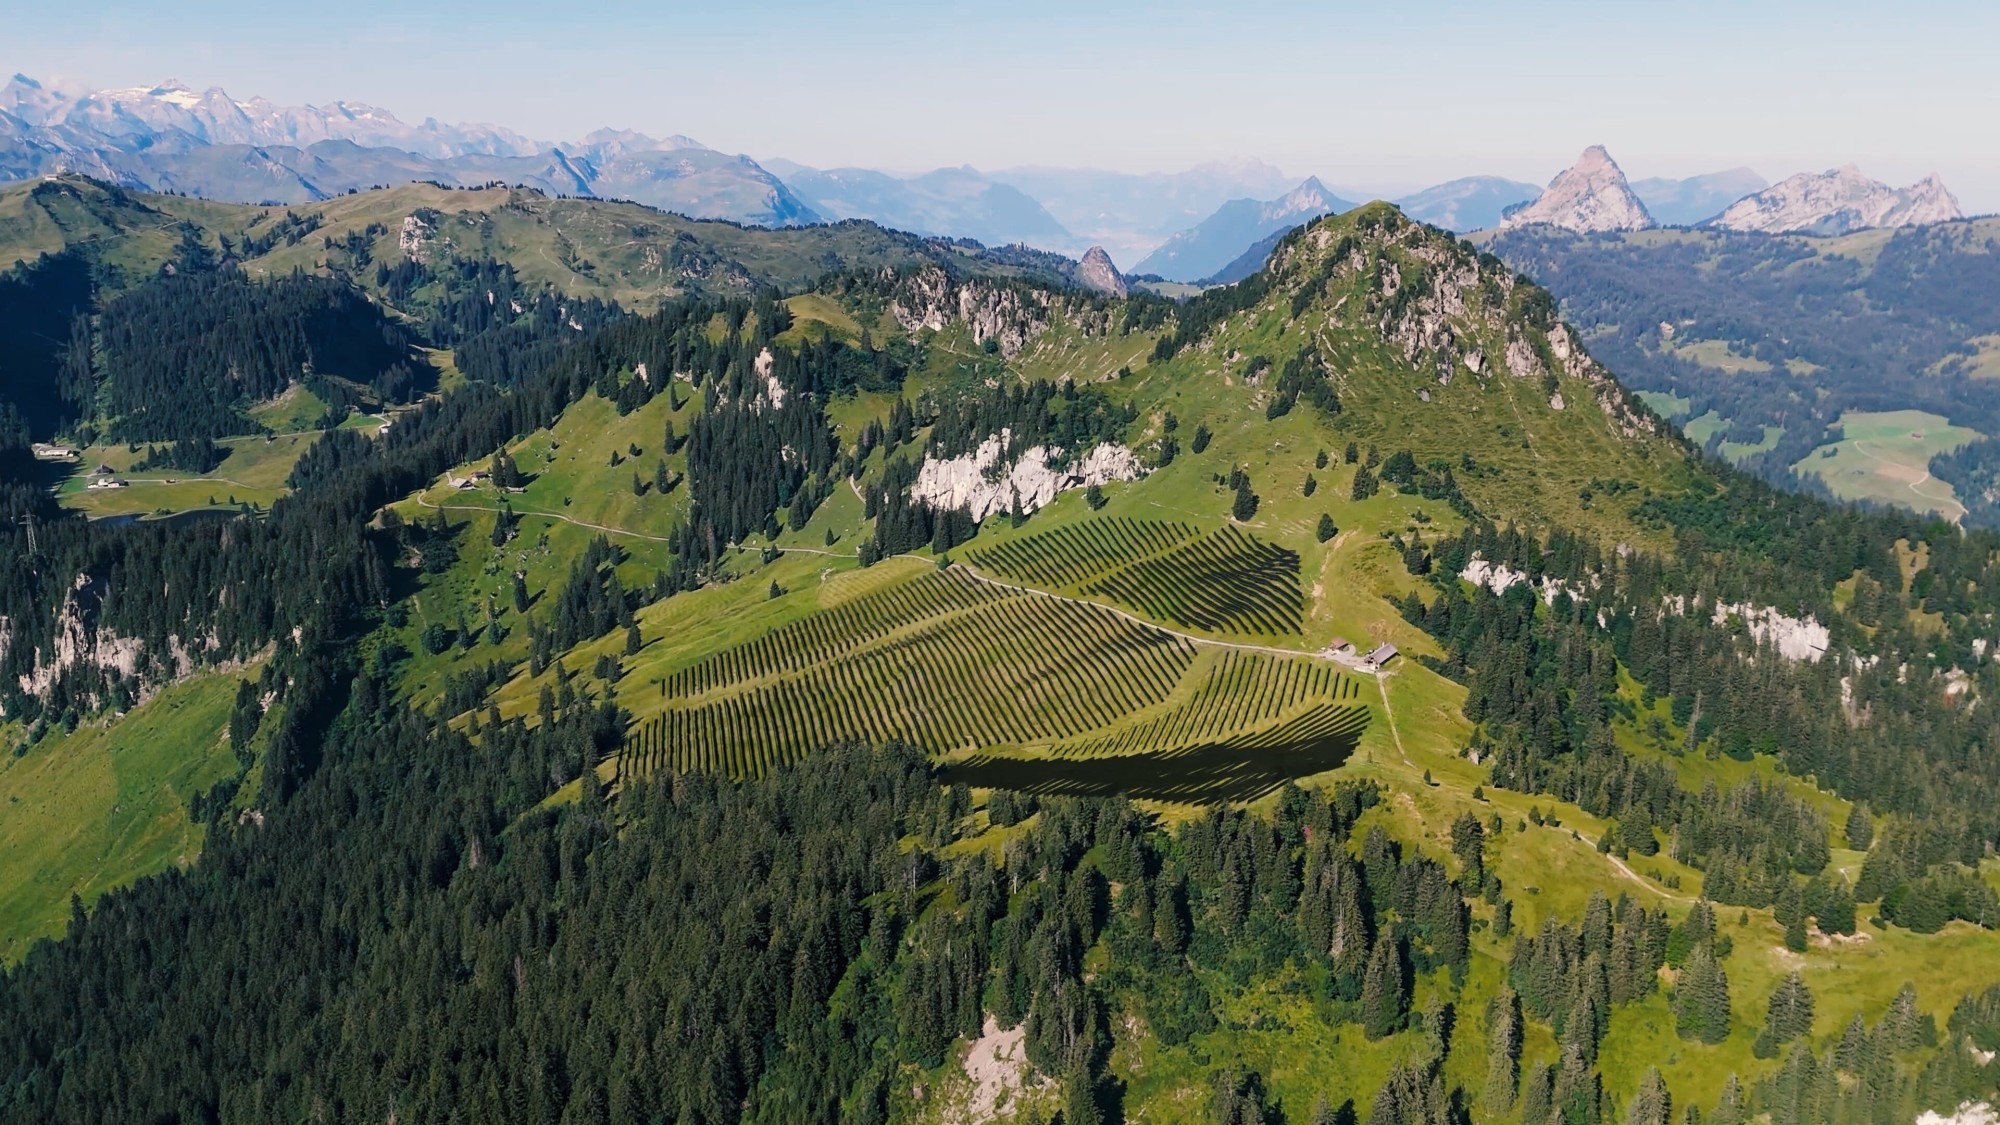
pixel 1389 713
pixel 1912 486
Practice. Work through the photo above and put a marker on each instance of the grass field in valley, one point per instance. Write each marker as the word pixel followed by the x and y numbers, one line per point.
pixel 253 473
pixel 1885 456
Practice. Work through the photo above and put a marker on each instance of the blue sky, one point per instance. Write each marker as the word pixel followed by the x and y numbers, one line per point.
pixel 1381 95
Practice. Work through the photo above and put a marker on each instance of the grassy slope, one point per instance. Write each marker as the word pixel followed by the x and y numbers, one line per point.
pixel 573 484
pixel 98 808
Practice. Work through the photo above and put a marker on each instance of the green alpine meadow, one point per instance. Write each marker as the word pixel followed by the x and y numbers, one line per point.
pixel 613 632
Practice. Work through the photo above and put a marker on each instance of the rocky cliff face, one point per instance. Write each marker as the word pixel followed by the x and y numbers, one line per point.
pixel 1009 315
pixel 984 484
pixel 1097 272
pixel 1591 195
pixel 1838 202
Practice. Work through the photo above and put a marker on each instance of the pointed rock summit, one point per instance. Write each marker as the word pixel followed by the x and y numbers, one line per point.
pixel 1096 271
pixel 1840 201
pixel 1591 195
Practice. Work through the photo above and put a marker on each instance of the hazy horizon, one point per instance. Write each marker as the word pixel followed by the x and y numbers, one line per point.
pixel 1381 101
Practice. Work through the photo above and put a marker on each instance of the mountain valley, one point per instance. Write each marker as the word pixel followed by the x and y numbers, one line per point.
pixel 1084 565
pixel 1334 693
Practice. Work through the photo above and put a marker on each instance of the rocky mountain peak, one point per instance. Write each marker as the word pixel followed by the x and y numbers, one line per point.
pixel 1838 201
pixel 1096 271
pixel 1590 195
pixel 1310 197
pixel 1928 201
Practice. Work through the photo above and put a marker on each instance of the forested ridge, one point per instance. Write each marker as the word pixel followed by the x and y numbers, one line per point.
pixel 437 912
pixel 1866 328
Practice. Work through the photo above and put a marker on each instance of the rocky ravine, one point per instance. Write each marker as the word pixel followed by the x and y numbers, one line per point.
pixel 1590 195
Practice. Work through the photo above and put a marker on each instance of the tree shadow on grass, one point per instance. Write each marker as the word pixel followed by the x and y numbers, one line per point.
pixel 1236 769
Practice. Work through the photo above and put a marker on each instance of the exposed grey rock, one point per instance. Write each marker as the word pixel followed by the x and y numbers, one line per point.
pixel 1590 195
pixel 984 485
pixel 1840 201
pixel 1096 271
pixel 929 298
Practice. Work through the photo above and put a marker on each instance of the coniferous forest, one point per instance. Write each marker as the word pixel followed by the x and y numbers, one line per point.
pixel 445 904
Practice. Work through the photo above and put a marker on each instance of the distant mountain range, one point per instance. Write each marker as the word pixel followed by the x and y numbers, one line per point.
pixel 1211 223
pixel 1205 248
pixel 1839 202
pixel 1595 192
pixel 1685 203
pixel 1131 214
pixel 1593 196
pixel 956 202
pixel 171 138
pixel 1472 203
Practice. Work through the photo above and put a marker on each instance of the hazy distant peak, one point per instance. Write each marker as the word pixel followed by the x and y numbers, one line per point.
pixel 1840 200
pixel 1590 195
pixel 1468 203
pixel 1687 202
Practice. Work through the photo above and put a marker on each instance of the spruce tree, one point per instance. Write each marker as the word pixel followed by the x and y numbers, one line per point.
pixel 1503 1050
pixel 1860 829
pixel 1468 843
pixel 1080 1098
pixel 1795 933
pixel 1729 1108
pixel 1789 1015
pixel 1383 1000
pixel 1579 1093
pixel 1651 1105
pixel 1701 998
pixel 1244 508
pixel 1538 1095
